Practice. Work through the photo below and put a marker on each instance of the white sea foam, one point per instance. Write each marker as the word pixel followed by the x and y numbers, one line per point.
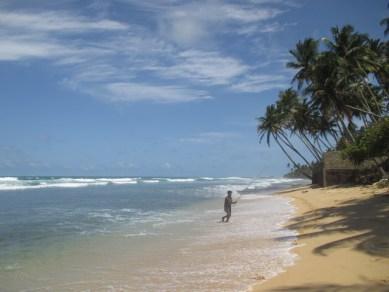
pixel 230 255
pixel 129 210
pixel 8 179
pixel 9 187
pixel 141 233
pixel 150 181
pixel 235 184
pixel 252 197
pixel 118 180
pixel 71 180
pixel 14 183
pixel 235 178
pixel 180 179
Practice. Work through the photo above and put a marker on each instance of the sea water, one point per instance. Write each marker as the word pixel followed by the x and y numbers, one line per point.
pixel 141 233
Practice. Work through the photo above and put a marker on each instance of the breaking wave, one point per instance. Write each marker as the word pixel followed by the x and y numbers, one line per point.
pixel 23 183
pixel 223 183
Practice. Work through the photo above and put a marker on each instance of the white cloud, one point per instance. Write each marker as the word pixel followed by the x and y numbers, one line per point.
pixel 26 47
pixel 209 137
pixel 25 35
pixel 193 23
pixel 248 14
pixel 184 30
pixel 100 72
pixel 104 57
pixel 132 92
pixel 252 29
pixel 55 22
pixel 210 68
pixel 259 83
pixel 16 49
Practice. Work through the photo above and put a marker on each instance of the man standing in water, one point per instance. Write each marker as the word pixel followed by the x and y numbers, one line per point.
pixel 227 206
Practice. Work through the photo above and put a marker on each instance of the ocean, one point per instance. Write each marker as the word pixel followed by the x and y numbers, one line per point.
pixel 141 233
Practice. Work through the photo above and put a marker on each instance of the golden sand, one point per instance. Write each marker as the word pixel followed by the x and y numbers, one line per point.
pixel 343 242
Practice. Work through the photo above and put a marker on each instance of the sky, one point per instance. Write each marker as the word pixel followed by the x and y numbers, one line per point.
pixel 152 88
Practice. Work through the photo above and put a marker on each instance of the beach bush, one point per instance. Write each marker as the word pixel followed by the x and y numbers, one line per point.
pixel 373 142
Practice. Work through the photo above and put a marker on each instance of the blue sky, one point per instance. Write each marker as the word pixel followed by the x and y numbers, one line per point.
pixel 155 88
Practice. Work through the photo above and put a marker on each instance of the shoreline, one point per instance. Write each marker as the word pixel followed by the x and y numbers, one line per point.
pixel 183 247
pixel 342 242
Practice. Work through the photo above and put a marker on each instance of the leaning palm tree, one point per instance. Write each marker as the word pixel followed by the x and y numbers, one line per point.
pixel 324 92
pixel 286 105
pixel 303 126
pixel 323 129
pixel 269 126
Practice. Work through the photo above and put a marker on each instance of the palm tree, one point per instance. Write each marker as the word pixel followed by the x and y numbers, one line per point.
pixel 354 60
pixel 269 126
pixel 385 22
pixel 305 55
pixel 324 93
pixel 346 82
pixel 286 106
pixel 339 79
pixel 381 51
pixel 303 125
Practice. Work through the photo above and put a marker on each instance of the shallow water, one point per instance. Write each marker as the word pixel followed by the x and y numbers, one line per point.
pixel 162 235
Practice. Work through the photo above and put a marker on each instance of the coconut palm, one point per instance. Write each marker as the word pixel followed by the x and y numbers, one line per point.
pixel 385 22
pixel 303 126
pixel 381 51
pixel 354 60
pixel 269 126
pixel 305 55
pixel 346 82
pixel 287 104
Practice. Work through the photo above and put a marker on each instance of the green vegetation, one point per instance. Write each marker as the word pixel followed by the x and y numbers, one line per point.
pixel 340 100
pixel 299 172
pixel 373 142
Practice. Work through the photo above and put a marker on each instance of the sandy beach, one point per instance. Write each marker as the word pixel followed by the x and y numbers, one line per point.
pixel 343 241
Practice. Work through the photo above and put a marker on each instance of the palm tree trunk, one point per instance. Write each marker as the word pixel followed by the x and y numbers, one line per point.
pixel 320 145
pixel 325 143
pixel 362 111
pixel 318 153
pixel 290 146
pixel 368 110
pixel 370 91
pixel 334 135
pixel 289 157
pixel 345 128
pixel 365 121
pixel 306 145
pixel 374 99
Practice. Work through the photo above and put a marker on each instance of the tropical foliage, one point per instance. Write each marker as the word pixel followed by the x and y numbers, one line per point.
pixel 299 172
pixel 342 85
pixel 373 142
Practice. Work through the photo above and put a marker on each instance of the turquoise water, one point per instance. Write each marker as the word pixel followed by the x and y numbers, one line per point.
pixel 139 234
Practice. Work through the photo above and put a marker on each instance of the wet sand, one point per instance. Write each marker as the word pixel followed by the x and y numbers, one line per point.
pixel 343 241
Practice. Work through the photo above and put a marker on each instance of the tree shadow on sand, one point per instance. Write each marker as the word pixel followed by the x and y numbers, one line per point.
pixel 367 216
pixel 334 288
